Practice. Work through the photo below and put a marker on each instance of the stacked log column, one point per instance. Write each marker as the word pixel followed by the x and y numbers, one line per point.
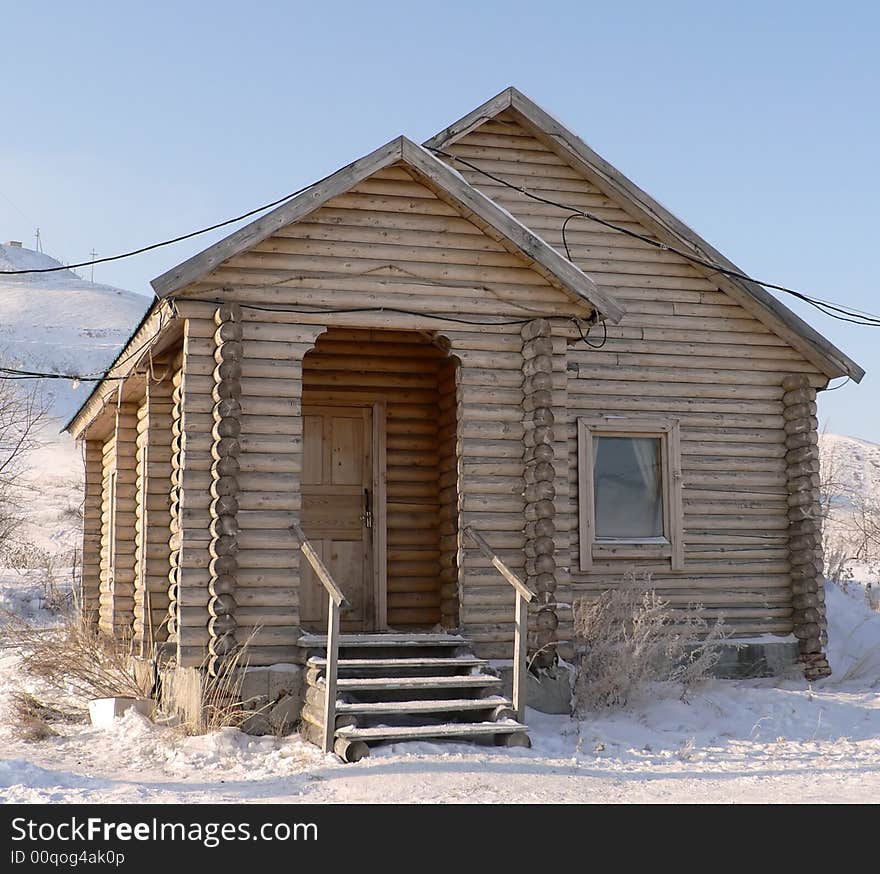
pixel 225 469
pixel 805 523
pixel 176 508
pixel 90 585
pixel 540 489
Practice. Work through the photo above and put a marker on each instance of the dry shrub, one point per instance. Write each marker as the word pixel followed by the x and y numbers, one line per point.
pixel 75 657
pixel 28 718
pixel 629 636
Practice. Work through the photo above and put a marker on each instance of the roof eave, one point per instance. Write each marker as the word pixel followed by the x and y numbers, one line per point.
pixel 452 183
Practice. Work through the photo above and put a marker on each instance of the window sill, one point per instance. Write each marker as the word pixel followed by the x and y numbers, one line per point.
pixel 631 549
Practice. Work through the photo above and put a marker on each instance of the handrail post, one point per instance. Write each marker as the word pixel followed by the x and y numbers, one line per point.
pixel 330 674
pixel 520 649
pixel 521 621
pixel 337 603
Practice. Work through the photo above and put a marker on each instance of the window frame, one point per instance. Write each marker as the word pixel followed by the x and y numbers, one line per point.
pixel 668 432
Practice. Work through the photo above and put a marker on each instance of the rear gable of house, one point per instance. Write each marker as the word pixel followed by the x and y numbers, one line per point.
pixel 689 363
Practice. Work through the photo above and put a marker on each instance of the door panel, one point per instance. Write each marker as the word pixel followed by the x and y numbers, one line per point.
pixel 337 473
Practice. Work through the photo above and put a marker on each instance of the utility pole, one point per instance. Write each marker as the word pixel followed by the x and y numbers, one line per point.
pixel 93 254
pixel 39 241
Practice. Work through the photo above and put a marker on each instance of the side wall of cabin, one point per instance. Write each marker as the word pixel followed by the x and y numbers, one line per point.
pixel 684 350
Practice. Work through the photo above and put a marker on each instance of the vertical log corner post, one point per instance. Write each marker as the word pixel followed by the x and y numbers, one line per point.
pixel 805 524
pixel 175 541
pixel 90 578
pixel 540 489
pixel 225 469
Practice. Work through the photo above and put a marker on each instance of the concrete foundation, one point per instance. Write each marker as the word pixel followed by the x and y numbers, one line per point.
pixel 270 697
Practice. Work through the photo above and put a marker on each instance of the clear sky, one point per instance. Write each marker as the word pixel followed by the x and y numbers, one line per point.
pixel 757 123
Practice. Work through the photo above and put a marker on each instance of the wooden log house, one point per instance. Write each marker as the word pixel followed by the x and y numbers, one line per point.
pixel 422 346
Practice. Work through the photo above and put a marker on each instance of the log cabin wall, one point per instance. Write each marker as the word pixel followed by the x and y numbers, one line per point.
pixel 90 582
pixel 684 349
pixel 153 516
pixel 118 512
pixel 266 577
pixel 108 477
pixel 390 242
pixel 448 476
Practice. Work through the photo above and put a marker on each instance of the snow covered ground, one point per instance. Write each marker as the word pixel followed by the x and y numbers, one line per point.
pixel 744 741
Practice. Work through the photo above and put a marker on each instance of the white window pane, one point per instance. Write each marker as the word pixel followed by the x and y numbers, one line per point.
pixel 627 486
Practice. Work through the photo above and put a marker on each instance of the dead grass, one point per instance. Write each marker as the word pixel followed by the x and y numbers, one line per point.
pixel 27 720
pixel 31 720
pixel 74 657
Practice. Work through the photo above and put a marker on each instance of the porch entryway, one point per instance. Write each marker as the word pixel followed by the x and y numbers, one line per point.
pixel 379 479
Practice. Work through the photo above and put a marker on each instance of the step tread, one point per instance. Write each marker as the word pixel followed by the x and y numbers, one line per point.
pixel 451 661
pixel 381 639
pixel 414 732
pixel 426 706
pixel 414 682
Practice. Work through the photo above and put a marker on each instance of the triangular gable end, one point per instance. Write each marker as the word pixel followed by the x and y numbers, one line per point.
pixel 664 225
pixel 447 183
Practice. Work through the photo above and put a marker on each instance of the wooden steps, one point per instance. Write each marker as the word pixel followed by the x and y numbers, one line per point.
pixel 319 641
pixel 457 705
pixel 422 732
pixel 399 687
pixel 452 661
pixel 470 680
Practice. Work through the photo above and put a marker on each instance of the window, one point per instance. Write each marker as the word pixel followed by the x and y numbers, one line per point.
pixel 629 489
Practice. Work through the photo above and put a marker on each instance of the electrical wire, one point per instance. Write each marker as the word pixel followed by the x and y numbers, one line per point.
pixel 838 386
pixel 841 313
pixel 844 314
pixel 170 242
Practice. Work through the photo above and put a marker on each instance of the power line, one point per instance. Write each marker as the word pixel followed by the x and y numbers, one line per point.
pixel 13 373
pixel 170 242
pixel 841 313
pixel 844 314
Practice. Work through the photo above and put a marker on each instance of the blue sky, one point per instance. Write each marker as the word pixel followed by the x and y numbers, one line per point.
pixel 756 122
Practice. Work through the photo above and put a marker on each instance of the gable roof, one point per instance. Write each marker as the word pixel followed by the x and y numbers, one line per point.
pixel 448 183
pixel 662 223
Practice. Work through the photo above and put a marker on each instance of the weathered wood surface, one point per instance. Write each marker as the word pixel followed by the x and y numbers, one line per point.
pixel 91 548
pixel 516 135
pixel 379 174
pixel 684 348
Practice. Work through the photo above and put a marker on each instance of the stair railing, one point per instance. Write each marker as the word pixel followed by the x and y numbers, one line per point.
pixel 521 623
pixel 337 603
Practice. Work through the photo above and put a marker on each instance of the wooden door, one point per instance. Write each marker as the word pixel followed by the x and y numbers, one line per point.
pixel 337 486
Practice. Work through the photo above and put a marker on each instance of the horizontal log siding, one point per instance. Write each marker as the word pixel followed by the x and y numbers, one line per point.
pixel 116 612
pixel 194 479
pixel 90 585
pixel 105 597
pixel 267 593
pixel 392 242
pixel 448 483
pixel 683 349
pixel 401 368
pixel 152 563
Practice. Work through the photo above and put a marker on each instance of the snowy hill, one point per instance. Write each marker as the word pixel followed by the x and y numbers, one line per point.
pixel 851 484
pixel 61 323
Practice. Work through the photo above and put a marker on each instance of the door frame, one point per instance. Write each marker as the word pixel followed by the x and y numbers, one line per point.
pixel 380 518
pixel 378 475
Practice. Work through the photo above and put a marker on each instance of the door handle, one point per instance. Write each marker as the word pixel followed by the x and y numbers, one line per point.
pixel 367 516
